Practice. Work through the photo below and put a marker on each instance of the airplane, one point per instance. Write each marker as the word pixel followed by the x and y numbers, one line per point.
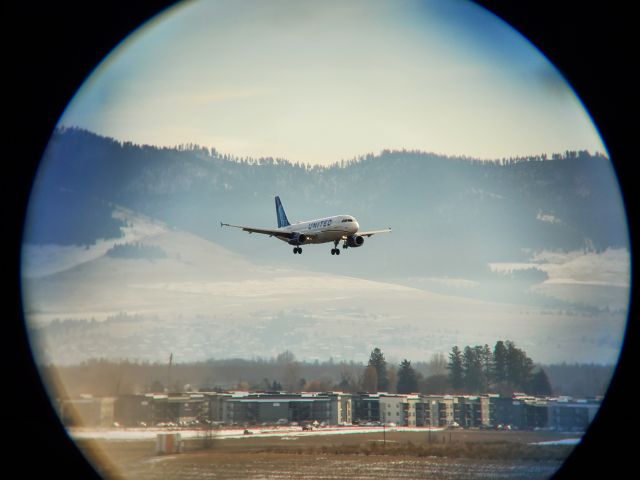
pixel 334 229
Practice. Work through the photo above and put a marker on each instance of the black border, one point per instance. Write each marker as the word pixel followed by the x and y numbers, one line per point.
pixel 53 46
pixel 590 43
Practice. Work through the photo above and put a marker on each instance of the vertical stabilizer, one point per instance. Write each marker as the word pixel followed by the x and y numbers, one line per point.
pixel 282 217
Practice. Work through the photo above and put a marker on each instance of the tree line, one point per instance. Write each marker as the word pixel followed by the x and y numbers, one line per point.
pixel 504 369
pixel 471 370
pixel 136 250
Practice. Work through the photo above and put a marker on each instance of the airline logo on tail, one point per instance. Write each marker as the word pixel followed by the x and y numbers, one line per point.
pixel 282 217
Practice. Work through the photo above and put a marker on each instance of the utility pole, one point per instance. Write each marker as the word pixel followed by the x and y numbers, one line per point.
pixel 384 434
pixel 169 373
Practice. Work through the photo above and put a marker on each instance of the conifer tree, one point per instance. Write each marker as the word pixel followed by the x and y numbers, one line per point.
pixel 539 384
pixel 455 369
pixel 499 362
pixel 473 371
pixel 377 361
pixel 407 378
pixel 518 367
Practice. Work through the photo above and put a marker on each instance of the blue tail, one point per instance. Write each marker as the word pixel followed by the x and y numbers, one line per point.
pixel 282 217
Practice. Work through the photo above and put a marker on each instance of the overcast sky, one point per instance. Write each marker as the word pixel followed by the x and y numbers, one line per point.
pixel 322 81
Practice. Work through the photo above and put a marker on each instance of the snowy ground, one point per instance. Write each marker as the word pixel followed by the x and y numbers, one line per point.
pixel 150 433
pixel 286 433
pixel 566 441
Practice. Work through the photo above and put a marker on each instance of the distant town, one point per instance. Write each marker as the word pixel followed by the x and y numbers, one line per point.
pixel 310 410
pixel 484 388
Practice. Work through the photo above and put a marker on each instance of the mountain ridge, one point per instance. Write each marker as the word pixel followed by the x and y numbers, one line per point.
pixel 558 203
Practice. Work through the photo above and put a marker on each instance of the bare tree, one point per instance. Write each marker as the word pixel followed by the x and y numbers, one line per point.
pixel 370 379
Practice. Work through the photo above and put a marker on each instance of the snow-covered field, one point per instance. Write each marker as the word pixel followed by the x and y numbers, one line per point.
pixel 121 434
pixel 565 441
pixel 286 433
pixel 203 301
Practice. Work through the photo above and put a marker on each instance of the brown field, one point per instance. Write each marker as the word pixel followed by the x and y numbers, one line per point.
pixel 446 455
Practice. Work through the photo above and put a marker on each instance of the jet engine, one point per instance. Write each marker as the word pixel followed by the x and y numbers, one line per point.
pixel 298 239
pixel 355 240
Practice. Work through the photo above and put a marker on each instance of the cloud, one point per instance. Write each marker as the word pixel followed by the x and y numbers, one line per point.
pixel 610 267
pixel 217 95
pixel 446 282
pixel 587 277
pixel 547 217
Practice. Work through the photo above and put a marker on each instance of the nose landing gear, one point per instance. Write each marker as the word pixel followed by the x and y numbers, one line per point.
pixel 297 250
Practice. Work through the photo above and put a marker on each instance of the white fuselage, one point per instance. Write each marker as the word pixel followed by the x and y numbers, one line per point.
pixel 327 229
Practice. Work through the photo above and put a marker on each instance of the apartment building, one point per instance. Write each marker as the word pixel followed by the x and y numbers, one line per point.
pixel 568 415
pixel 332 408
pixel 398 409
pixel 87 411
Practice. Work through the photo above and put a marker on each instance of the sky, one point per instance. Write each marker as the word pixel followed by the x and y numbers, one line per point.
pixel 319 82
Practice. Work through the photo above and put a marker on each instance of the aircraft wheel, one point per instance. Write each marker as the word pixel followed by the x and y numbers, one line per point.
pixel 337 251
pixel 295 250
pixel 300 250
pixel 333 251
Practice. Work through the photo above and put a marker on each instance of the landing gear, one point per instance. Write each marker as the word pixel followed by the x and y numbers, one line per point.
pixel 335 250
pixel 297 250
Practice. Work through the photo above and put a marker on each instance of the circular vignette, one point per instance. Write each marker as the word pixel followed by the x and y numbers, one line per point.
pixel 598 100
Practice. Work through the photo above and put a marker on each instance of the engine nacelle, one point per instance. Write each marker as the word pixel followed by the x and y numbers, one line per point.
pixel 355 241
pixel 298 239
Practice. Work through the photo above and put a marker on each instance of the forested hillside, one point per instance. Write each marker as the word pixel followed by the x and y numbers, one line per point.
pixel 477 211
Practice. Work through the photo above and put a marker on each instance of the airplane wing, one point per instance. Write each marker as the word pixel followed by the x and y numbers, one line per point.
pixel 265 231
pixel 373 232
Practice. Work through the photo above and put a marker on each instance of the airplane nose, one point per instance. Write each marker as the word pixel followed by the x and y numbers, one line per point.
pixel 356 226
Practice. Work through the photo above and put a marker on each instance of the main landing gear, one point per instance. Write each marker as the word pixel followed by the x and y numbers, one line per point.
pixel 335 250
pixel 297 250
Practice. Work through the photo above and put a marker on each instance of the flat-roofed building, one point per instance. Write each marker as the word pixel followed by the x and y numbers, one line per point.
pixel 399 409
pixel 87 411
pixel 569 415
pixel 472 411
pixel 154 409
pixel 427 411
pixel 332 408
pixel 134 410
pixel 366 407
pixel 502 411
pixel 216 405
pixel 446 406
pixel 187 408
